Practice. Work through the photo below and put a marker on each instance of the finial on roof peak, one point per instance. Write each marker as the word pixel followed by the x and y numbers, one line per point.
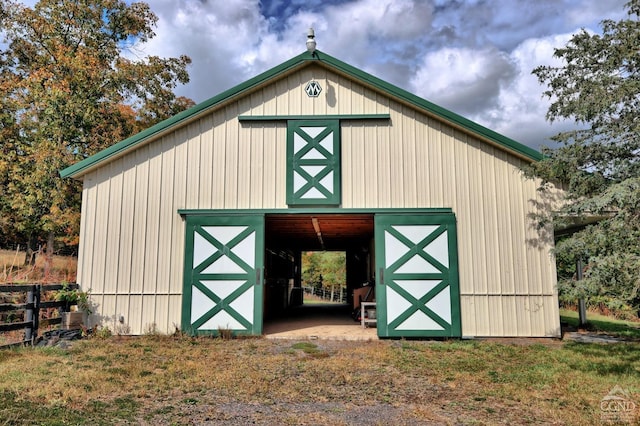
pixel 311 41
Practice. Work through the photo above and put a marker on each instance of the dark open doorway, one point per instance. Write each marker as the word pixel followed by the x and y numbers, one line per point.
pixel 287 238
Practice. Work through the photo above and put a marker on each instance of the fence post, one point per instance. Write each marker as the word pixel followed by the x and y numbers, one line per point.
pixel 36 312
pixel 32 314
pixel 582 305
pixel 28 330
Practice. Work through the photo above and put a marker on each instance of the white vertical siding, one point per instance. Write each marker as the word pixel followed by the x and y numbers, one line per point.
pixel 113 239
pixel 122 270
pixel 166 219
pixel 140 218
pixel 381 175
pixel 205 161
pixel 132 238
pixel 152 230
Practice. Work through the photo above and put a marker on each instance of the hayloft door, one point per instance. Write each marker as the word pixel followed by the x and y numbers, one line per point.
pixel 223 279
pixel 417 291
pixel 313 162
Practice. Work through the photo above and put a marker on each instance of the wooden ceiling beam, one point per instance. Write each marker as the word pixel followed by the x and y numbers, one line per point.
pixel 316 227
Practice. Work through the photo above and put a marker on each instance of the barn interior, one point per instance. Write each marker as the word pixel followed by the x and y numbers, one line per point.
pixel 287 236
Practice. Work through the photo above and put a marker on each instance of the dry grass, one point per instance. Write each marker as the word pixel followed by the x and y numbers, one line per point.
pixel 177 380
pixel 55 269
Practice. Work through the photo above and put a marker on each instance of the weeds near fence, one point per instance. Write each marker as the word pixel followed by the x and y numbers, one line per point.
pixel 45 269
pixel 8 268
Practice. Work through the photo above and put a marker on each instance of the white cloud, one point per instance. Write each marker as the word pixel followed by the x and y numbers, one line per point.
pixel 364 32
pixel 221 38
pixel 230 42
pixel 589 13
pixel 462 79
pixel 494 88
pixel 521 108
pixel 475 57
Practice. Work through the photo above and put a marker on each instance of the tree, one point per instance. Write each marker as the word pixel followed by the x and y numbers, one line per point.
pixel 334 269
pixel 598 164
pixel 324 269
pixel 311 269
pixel 69 90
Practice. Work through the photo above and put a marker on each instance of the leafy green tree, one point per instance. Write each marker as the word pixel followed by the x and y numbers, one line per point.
pixel 311 273
pixel 324 269
pixel 598 164
pixel 333 266
pixel 69 90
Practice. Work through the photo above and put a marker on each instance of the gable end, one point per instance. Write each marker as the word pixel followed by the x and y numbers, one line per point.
pixel 171 124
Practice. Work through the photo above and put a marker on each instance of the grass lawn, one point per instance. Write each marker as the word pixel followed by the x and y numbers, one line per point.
pixel 178 380
pixel 318 301
pixel 603 324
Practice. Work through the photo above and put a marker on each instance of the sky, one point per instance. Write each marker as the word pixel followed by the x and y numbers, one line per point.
pixel 473 57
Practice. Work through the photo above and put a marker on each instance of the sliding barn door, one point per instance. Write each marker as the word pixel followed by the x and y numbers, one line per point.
pixel 417 276
pixel 223 280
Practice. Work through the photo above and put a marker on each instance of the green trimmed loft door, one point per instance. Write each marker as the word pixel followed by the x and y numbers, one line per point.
pixel 313 162
pixel 417 290
pixel 223 280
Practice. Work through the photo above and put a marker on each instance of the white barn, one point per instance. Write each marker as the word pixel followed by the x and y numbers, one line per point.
pixel 199 221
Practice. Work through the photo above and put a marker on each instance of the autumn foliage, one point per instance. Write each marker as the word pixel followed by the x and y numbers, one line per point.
pixel 70 87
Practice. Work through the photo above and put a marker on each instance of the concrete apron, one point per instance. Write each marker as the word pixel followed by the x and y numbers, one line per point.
pixel 321 321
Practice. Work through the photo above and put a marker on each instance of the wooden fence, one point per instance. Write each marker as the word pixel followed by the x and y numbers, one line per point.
pixel 31 308
pixel 338 295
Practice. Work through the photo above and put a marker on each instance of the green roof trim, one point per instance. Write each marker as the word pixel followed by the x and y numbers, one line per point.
pixel 304 58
